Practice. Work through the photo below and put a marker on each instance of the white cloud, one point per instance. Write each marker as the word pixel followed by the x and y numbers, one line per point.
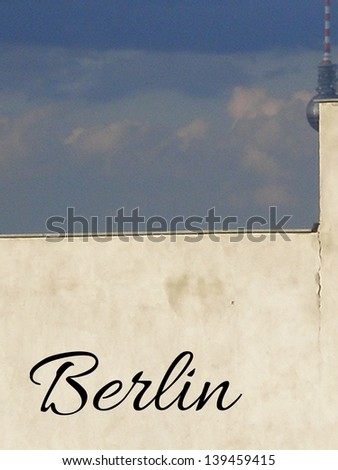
pixel 252 102
pixel 108 139
pixel 196 130
pixel 272 140
pixel 21 136
pixel 160 118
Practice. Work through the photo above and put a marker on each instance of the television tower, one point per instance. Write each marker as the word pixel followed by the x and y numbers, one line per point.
pixel 326 88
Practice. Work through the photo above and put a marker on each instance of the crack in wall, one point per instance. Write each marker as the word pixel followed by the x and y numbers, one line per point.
pixel 319 292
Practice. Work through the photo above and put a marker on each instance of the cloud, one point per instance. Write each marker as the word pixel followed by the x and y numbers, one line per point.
pixel 252 102
pixel 21 136
pixel 90 76
pixel 118 145
pixel 196 130
pixel 150 149
pixel 156 129
pixel 64 74
pixel 107 139
pixel 272 141
pixel 266 151
pixel 198 164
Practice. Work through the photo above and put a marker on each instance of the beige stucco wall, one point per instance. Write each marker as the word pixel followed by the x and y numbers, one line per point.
pixel 328 249
pixel 261 315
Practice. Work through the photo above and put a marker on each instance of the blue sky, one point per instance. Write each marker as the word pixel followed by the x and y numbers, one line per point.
pixel 173 106
pixel 214 26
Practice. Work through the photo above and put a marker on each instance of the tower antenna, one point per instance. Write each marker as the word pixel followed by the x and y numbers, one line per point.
pixel 327 33
pixel 326 88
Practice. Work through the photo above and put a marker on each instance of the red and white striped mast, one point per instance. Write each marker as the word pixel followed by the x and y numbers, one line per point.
pixel 327 79
pixel 327 33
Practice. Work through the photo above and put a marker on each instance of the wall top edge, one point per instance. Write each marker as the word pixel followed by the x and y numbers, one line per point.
pixel 146 234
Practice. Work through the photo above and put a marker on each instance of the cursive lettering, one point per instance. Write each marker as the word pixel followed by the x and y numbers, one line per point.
pixel 114 393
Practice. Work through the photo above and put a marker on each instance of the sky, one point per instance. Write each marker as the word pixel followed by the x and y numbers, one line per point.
pixel 172 106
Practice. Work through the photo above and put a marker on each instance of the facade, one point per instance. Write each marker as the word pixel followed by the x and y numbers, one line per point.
pixel 257 320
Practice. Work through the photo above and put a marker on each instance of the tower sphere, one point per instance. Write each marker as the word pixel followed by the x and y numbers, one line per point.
pixel 312 112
